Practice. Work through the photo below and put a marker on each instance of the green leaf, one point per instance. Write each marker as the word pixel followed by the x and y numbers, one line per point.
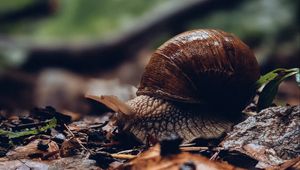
pixel 274 74
pixel 298 78
pixel 272 81
pixel 51 124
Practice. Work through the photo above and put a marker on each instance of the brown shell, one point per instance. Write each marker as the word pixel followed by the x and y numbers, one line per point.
pixel 202 66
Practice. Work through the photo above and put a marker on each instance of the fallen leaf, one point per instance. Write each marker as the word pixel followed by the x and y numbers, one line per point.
pixel 31 149
pixel 68 147
pixel 152 159
pixel 73 163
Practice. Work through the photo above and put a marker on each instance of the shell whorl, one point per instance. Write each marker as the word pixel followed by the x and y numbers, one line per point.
pixel 157 117
pixel 202 66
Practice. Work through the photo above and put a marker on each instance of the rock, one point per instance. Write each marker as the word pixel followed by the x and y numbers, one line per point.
pixel 59 164
pixel 23 165
pixel 271 137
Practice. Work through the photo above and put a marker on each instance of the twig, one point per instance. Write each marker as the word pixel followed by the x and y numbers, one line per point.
pixel 24 163
pixel 193 148
pixel 77 140
pixel 101 125
pixel 198 148
pixel 215 155
pixel 30 125
pixel 122 156
pixel 187 144
pixel 125 151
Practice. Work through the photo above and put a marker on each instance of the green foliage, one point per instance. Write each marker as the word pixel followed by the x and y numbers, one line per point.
pixel 80 20
pixel 51 124
pixel 272 75
pixel 271 81
pixel 254 19
pixel 257 22
pixel 9 5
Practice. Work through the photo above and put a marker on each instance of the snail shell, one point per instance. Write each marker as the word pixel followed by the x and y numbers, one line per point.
pixel 202 66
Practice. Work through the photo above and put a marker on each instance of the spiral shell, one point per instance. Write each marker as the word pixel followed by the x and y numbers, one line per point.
pixel 202 66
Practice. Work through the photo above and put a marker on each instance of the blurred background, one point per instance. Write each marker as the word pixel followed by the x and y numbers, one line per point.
pixel 52 52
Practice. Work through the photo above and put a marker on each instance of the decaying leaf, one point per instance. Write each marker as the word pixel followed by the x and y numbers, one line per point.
pixel 33 151
pixel 271 137
pixel 73 163
pixel 113 103
pixel 68 147
pixel 152 159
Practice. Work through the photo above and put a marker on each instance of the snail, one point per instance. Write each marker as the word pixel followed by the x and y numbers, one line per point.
pixel 196 85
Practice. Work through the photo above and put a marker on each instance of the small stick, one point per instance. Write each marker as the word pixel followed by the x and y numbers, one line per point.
pixel 122 156
pixel 29 125
pixel 99 125
pixel 125 151
pixel 24 163
pixel 77 140
pixel 198 148
pixel 187 144
pixel 193 148
pixel 215 155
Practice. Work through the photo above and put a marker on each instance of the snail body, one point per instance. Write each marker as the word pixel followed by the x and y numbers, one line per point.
pixel 195 85
pixel 156 118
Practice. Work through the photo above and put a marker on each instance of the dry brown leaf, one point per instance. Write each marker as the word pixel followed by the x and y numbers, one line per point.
pixel 68 147
pixel 113 103
pixel 151 159
pixel 31 149
pixel 73 163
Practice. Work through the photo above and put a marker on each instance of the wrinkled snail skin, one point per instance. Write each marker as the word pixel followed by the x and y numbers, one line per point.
pixel 190 85
pixel 157 117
